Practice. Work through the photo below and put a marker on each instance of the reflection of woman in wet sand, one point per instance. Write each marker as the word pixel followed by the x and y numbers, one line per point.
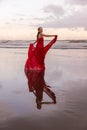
pixel 37 85
pixel 36 55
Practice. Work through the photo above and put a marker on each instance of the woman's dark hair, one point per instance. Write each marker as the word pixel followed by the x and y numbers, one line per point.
pixel 38 34
pixel 39 28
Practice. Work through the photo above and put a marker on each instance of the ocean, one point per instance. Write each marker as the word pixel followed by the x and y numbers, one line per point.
pixel 60 44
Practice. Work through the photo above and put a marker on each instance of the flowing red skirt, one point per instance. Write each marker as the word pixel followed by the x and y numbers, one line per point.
pixel 36 55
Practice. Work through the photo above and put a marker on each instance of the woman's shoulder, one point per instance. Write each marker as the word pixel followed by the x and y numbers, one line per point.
pixel 40 36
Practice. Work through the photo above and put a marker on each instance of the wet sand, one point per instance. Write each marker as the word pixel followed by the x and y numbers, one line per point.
pixel 66 73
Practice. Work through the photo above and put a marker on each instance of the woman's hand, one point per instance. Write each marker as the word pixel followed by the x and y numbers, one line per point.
pixel 34 42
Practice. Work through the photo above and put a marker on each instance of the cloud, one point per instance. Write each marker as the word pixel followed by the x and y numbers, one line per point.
pixel 79 2
pixel 54 10
pixel 58 17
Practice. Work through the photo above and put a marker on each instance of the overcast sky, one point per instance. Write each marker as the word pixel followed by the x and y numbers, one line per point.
pixel 19 19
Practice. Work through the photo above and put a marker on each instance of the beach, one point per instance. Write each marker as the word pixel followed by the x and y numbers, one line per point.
pixel 66 73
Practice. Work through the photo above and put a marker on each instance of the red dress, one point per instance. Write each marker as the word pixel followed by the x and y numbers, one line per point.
pixel 36 55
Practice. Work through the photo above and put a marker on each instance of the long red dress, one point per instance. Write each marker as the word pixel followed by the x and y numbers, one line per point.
pixel 36 55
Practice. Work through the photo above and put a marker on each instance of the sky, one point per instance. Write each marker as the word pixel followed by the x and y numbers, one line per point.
pixel 19 19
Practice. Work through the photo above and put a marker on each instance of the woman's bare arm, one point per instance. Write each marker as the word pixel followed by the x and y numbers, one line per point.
pixel 48 35
pixel 34 42
pixel 45 35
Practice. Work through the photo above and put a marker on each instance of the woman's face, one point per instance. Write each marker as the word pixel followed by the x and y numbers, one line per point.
pixel 40 29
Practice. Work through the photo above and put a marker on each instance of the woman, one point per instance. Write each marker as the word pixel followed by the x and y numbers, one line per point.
pixel 36 55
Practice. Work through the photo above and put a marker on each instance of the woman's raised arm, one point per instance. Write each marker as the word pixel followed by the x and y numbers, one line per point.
pixel 48 35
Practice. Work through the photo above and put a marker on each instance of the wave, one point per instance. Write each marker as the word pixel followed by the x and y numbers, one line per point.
pixel 77 41
pixel 60 44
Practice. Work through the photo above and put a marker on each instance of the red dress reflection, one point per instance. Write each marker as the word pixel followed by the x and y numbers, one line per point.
pixel 36 55
pixel 37 85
